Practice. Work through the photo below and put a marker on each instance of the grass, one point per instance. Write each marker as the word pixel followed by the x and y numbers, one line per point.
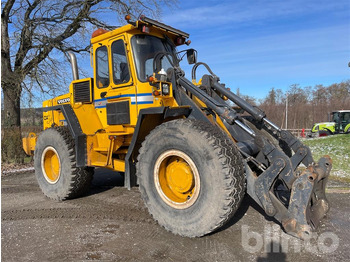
pixel 28 159
pixel 338 148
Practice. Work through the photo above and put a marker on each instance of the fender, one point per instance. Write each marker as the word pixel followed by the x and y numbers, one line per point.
pixel 330 131
pixel 148 119
pixel 75 130
pixel 347 129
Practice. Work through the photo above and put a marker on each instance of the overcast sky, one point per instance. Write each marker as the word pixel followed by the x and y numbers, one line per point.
pixel 256 45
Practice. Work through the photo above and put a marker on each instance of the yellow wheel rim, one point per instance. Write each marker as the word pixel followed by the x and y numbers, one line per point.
pixel 51 165
pixel 176 179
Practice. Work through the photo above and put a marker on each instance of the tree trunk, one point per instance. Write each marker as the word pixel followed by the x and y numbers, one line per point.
pixel 11 141
pixel 12 105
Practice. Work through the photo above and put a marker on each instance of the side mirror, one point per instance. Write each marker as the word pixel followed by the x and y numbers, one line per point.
pixel 191 56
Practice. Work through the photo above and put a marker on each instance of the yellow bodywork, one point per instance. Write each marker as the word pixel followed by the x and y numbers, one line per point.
pixel 29 143
pixel 107 144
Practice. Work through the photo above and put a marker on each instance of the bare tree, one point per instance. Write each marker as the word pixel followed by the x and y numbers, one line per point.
pixel 33 32
pixel 306 105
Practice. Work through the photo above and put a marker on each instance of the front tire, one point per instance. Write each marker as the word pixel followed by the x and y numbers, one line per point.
pixel 55 166
pixel 325 132
pixel 191 177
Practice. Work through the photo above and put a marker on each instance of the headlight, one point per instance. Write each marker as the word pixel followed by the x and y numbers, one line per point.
pixel 165 89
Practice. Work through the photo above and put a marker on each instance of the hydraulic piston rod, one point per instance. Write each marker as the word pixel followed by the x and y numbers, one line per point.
pixel 254 111
pixel 257 113
pixel 226 112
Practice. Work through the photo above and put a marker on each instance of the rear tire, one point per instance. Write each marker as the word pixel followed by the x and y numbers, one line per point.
pixel 191 177
pixel 55 166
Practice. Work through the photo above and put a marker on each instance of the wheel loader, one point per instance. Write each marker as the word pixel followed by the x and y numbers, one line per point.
pixel 192 146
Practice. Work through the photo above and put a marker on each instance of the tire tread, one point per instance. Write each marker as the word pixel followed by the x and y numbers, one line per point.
pixel 230 158
pixel 80 177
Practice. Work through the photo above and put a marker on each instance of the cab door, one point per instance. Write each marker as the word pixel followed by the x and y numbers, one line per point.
pixel 115 94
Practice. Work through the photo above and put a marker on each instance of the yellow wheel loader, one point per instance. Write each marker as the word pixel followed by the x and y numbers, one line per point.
pixel 193 147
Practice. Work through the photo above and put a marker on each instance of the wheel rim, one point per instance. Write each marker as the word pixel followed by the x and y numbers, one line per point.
pixel 177 179
pixel 51 165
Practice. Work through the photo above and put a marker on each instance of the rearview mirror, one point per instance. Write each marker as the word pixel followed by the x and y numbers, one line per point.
pixel 191 56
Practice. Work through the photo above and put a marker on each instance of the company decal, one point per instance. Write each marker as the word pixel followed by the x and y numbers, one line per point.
pixel 64 100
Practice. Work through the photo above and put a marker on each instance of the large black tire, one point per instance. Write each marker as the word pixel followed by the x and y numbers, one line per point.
pixel 221 181
pixel 67 181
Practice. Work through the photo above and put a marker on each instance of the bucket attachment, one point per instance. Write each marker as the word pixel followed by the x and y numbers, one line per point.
pixel 308 203
pixel 300 208
pixel 272 156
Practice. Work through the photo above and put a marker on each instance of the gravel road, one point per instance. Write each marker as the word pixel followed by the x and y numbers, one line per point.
pixel 112 224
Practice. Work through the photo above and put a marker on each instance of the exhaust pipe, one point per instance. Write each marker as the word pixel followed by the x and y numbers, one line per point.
pixel 73 61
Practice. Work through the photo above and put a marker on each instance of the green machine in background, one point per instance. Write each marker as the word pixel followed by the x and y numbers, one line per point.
pixel 339 124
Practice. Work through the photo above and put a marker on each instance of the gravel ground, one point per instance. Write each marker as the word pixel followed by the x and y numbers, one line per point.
pixel 112 224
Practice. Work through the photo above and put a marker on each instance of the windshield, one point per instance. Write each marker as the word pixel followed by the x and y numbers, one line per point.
pixel 145 48
pixel 342 117
pixel 335 117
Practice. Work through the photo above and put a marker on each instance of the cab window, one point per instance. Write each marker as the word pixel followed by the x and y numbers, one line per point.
pixel 120 66
pixel 145 48
pixel 102 71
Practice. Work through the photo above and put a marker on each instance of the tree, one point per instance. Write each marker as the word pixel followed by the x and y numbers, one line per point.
pixel 33 32
pixel 271 97
pixel 306 105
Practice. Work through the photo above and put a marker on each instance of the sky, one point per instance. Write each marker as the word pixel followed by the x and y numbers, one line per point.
pixel 256 45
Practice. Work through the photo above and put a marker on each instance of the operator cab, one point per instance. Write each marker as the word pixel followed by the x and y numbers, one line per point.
pixel 124 61
pixel 341 119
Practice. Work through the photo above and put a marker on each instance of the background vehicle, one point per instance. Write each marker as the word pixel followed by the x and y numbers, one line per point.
pixel 339 124
pixel 191 153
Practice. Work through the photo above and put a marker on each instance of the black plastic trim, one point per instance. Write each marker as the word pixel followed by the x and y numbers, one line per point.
pixel 130 179
pixel 75 129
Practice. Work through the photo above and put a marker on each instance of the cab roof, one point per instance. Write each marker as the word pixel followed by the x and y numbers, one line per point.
pixel 341 111
pixel 171 32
